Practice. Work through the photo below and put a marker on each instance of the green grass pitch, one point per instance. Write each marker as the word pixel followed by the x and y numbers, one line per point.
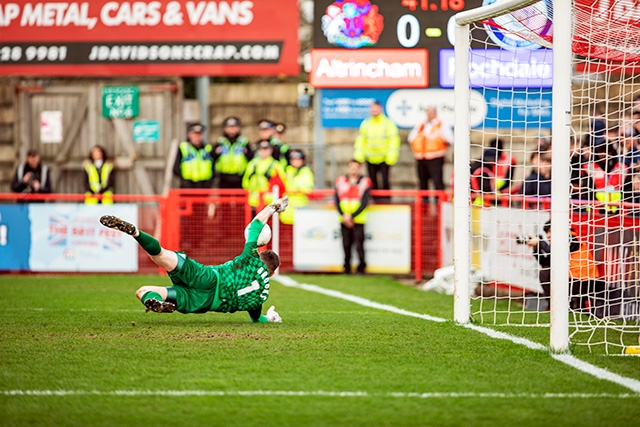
pixel 79 350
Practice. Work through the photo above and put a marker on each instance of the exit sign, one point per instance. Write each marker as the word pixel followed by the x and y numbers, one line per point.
pixel 120 102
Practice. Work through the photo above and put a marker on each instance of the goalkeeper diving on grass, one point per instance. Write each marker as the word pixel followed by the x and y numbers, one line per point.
pixel 241 284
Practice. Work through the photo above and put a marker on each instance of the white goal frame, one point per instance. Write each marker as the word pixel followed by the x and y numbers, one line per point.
pixel 561 131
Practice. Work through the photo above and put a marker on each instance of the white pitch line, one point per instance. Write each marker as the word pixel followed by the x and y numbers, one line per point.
pixel 287 281
pixel 567 359
pixel 322 393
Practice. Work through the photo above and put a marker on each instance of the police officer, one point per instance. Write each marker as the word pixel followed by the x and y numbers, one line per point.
pixel 231 154
pixel 194 162
pixel 263 172
pixel 268 130
pixel 299 182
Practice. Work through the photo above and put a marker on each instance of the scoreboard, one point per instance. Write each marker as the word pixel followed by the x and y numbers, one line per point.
pixel 389 24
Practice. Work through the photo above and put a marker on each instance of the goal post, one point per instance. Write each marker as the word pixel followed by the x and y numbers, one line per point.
pixel 560 132
pixel 529 80
pixel 559 335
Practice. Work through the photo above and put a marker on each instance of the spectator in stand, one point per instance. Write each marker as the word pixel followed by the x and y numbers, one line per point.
pixel 630 151
pixel 504 167
pixel 538 182
pixel 632 195
pixel 263 172
pixel 612 136
pixel 483 179
pixel 543 144
pixel 635 122
pixel 231 154
pixel 378 145
pixel 100 179
pixel 608 175
pixel 597 127
pixel 626 123
pixel 352 193
pixel 580 184
pixel 429 140
pixel 636 103
pixel 267 131
pixel 32 177
pixel 194 162
pixel 299 183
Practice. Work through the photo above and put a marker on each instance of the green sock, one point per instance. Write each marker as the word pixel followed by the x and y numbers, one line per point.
pixel 149 295
pixel 149 243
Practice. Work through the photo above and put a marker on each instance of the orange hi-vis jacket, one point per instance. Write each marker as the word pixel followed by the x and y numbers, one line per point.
pixel 429 142
pixel 582 265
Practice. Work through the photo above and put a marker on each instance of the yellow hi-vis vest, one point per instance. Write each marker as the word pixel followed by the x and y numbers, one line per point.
pixel 378 141
pixel 232 159
pixel 299 184
pixel 97 182
pixel 256 179
pixel 196 164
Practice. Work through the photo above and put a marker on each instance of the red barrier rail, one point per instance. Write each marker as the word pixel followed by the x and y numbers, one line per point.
pixel 209 224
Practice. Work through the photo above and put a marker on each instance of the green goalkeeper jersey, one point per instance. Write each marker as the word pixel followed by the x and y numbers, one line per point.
pixel 243 282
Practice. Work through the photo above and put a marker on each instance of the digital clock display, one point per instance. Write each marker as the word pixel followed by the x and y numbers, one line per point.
pixel 433 5
pixel 386 24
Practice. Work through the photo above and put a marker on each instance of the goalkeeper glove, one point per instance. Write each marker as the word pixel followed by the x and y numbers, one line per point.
pixel 273 316
pixel 281 204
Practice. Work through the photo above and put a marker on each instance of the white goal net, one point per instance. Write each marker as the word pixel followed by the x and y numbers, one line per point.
pixel 510 113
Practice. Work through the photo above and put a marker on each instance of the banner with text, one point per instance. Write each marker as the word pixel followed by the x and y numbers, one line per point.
pixel 175 37
pixel 317 240
pixel 65 237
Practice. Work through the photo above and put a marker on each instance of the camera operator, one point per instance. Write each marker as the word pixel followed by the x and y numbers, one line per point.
pixel 584 278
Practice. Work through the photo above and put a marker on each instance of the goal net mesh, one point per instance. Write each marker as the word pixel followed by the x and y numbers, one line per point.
pixel 510 78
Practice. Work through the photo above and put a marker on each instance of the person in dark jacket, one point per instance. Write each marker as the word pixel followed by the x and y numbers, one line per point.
pixel 32 177
pixel 586 286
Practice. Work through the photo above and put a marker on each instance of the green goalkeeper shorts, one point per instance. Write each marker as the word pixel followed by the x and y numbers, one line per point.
pixel 194 285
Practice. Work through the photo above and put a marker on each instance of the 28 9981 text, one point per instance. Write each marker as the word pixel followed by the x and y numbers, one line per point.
pixel 33 53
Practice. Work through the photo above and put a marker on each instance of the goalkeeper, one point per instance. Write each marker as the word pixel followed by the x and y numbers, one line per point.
pixel 241 284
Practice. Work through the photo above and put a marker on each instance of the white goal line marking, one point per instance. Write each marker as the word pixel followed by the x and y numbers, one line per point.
pixel 322 393
pixel 568 359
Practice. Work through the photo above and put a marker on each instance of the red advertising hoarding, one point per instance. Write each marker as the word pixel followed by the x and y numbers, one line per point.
pixel 159 38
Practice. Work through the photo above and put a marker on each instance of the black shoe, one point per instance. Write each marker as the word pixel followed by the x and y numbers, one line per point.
pixel 153 304
pixel 121 225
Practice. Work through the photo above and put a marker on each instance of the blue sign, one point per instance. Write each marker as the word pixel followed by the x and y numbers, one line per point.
pixel 146 131
pixel 347 108
pixel 15 237
pixel 490 108
pixel 518 108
